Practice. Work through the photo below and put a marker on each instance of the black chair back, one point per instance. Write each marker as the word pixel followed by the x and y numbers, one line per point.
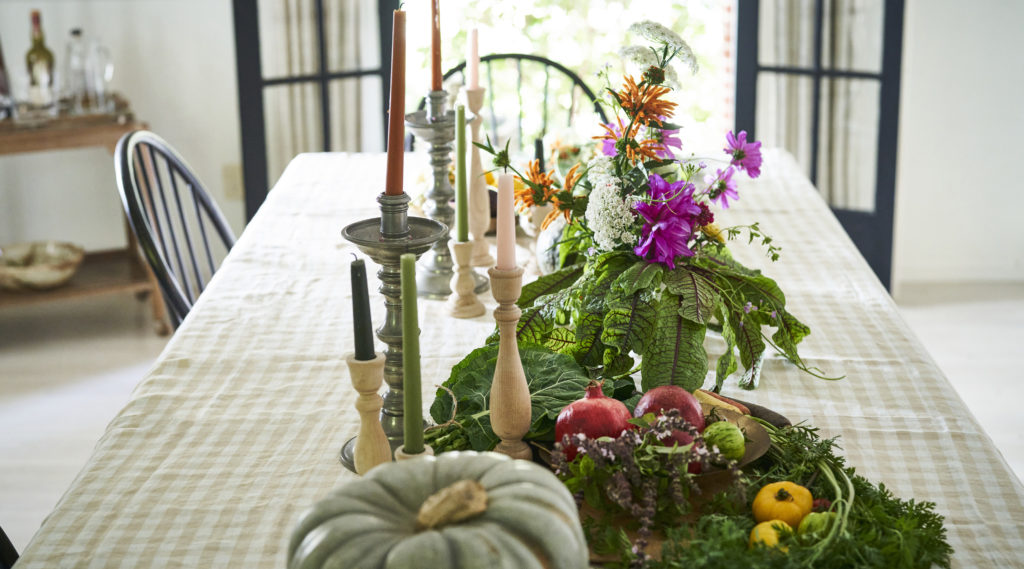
pixel 8 554
pixel 181 231
pixel 558 95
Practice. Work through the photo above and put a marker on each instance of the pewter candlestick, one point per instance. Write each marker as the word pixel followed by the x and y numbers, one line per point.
pixel 479 200
pixel 436 125
pixel 384 239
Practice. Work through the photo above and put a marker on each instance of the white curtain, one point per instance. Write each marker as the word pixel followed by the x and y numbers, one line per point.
pixel 849 113
pixel 289 47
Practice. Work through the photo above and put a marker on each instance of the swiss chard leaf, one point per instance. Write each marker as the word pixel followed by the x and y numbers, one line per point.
pixel 639 276
pixel 549 284
pixel 727 361
pixel 747 333
pixel 554 381
pixel 629 322
pixel 697 292
pixel 676 353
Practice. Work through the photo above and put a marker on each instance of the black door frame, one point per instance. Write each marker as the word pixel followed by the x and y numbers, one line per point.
pixel 251 84
pixel 872 232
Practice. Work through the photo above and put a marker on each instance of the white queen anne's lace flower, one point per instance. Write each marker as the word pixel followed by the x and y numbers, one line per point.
pixel 609 216
pixel 644 57
pixel 660 34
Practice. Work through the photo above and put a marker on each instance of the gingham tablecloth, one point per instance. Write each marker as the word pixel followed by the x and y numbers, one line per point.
pixel 237 428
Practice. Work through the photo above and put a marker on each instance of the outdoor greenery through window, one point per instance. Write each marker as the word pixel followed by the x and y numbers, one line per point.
pixel 585 37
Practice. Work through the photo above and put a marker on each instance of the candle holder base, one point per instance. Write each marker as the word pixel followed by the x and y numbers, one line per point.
pixel 481 283
pixel 400 453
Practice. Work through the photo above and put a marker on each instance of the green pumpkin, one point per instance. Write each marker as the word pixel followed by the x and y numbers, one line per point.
pixel 462 510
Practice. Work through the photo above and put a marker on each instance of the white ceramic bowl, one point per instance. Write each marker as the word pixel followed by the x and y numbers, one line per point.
pixel 38 266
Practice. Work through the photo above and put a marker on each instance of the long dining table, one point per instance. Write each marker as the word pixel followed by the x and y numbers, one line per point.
pixel 236 428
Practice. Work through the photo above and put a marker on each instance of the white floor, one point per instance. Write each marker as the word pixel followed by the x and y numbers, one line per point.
pixel 66 369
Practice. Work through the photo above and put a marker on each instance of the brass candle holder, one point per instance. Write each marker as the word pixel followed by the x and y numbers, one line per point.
pixel 464 303
pixel 510 394
pixel 384 240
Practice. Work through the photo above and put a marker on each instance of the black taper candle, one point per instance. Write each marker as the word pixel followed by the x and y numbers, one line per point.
pixel 361 319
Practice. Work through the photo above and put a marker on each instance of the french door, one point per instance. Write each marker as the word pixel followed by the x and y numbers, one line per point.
pixel 307 82
pixel 821 78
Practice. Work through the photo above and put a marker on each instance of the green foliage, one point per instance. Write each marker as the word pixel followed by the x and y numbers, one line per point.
pixel 676 356
pixel 554 380
pixel 879 529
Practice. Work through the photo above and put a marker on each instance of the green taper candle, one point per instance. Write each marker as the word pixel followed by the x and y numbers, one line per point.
pixel 461 196
pixel 413 397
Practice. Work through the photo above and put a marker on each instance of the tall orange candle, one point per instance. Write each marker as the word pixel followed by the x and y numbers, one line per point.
pixel 435 45
pixel 396 114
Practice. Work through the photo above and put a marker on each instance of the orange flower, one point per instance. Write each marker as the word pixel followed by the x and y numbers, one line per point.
pixel 646 149
pixel 561 208
pixel 646 105
pixel 536 189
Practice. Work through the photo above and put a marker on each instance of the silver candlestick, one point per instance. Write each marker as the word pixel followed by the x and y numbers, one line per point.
pixel 436 125
pixel 385 239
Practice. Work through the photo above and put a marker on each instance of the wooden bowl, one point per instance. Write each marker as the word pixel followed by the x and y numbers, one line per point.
pixel 38 266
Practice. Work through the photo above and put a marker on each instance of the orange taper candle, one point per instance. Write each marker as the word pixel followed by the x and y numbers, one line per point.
pixel 396 113
pixel 435 45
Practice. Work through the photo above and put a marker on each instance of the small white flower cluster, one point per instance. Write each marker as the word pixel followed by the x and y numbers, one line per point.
pixel 609 216
pixel 660 34
pixel 644 58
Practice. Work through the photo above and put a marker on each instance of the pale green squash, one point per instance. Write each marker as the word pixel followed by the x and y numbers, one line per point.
pixel 519 517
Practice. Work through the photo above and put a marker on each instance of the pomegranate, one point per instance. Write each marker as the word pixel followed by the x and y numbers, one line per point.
pixel 594 416
pixel 661 399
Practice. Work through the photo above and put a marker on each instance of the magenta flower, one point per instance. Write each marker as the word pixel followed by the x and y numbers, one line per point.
pixel 745 155
pixel 668 138
pixel 608 145
pixel 668 221
pixel 722 188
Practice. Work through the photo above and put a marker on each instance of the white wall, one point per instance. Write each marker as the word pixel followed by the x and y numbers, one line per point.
pixel 175 61
pixel 960 184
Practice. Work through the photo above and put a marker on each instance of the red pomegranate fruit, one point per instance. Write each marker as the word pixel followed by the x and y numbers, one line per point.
pixel 661 399
pixel 594 416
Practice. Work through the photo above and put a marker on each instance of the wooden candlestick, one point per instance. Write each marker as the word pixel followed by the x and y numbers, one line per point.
pixel 400 453
pixel 372 446
pixel 479 198
pixel 464 303
pixel 510 395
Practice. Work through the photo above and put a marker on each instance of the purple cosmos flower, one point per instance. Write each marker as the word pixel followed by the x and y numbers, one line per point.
pixel 722 188
pixel 668 221
pixel 668 138
pixel 745 155
pixel 608 146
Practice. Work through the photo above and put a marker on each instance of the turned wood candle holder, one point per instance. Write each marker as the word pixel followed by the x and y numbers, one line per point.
pixel 479 200
pixel 464 304
pixel 400 453
pixel 510 394
pixel 371 444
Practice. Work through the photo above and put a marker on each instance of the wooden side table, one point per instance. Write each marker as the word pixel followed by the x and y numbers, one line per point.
pixel 101 272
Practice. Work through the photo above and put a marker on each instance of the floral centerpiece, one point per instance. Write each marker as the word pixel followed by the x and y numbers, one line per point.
pixel 645 269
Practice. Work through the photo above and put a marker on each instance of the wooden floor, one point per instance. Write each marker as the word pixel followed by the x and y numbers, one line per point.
pixel 67 368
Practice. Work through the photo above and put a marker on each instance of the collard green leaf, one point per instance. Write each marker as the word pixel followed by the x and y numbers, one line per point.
pixel 554 380
pixel 549 284
pixel 676 353
pixel 697 292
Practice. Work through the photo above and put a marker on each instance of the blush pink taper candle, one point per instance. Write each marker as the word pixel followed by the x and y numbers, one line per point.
pixel 473 60
pixel 506 223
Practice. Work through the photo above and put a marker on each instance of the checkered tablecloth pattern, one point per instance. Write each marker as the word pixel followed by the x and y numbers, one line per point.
pixel 236 429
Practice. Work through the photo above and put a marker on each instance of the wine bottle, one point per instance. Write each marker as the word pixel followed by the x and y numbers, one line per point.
pixel 39 60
